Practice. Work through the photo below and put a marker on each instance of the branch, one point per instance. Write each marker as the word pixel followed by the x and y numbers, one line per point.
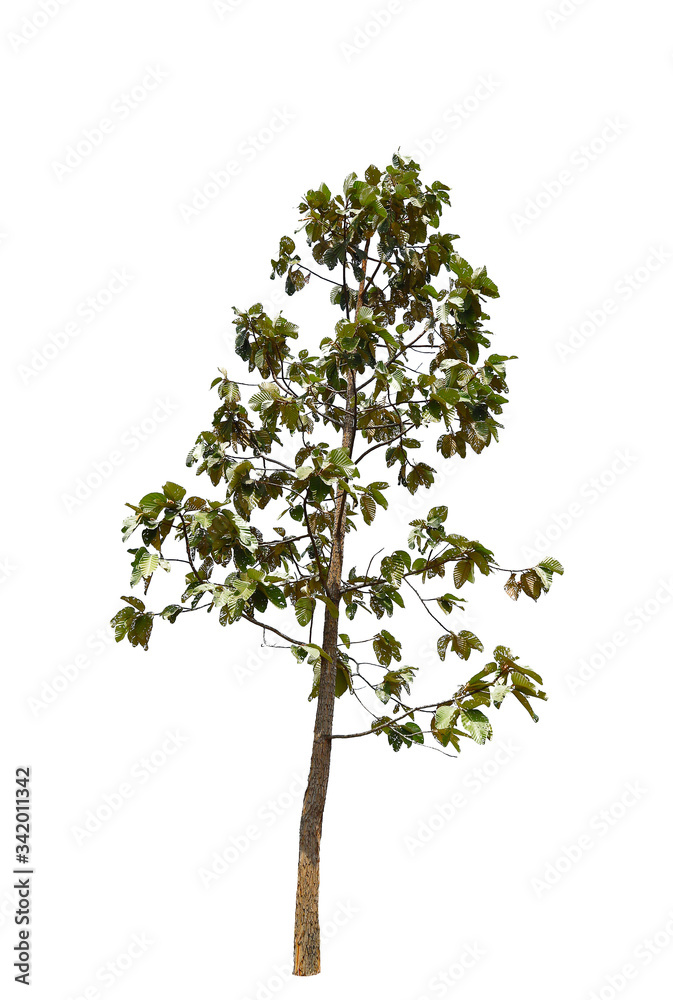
pixel 424 603
pixel 358 307
pixel 321 276
pixel 420 708
pixel 403 348
pixel 281 541
pixel 376 729
pixel 369 566
pixel 381 444
pixel 267 458
pixel 315 547
pixel 263 625
pixel 199 607
pixel 189 551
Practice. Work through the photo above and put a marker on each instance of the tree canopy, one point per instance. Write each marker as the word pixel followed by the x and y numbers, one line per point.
pixel 407 358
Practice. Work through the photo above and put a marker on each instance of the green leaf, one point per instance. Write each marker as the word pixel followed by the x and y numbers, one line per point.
pixel 529 673
pixel 445 716
pixel 153 504
pixel 368 508
pixel 342 460
pixel 372 175
pixel 553 565
pixel 378 496
pixel 121 622
pixel 343 680
pixel 498 693
pixel 447 602
pixel 520 681
pixel 443 726
pixel 526 704
pixel 135 602
pixel 144 565
pixel 531 584
pixel 129 526
pixel 348 183
pixel 140 630
pixel 462 572
pixel 420 475
pixel 545 577
pixel 465 642
pixel 413 731
pixel 174 492
pixel 330 605
pixel 386 648
pixel 476 725
pixel 320 650
pixel 275 595
pixel 304 609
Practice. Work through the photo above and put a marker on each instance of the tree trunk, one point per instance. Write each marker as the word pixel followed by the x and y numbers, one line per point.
pixel 306 921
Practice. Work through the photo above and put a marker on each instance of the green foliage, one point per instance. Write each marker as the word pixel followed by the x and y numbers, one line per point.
pixel 408 364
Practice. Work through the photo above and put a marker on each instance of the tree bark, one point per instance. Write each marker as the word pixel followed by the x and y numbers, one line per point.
pixel 306 922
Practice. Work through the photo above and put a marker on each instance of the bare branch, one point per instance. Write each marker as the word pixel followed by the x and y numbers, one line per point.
pixel 265 625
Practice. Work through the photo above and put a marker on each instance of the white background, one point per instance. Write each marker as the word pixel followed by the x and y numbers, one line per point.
pixel 582 472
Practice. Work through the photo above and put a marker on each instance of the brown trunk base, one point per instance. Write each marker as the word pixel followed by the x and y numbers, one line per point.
pixel 307 923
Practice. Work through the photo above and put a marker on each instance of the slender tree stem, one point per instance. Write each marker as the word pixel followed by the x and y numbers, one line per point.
pixel 307 923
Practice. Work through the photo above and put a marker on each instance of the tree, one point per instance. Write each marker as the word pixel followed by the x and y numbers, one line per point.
pixel 402 362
